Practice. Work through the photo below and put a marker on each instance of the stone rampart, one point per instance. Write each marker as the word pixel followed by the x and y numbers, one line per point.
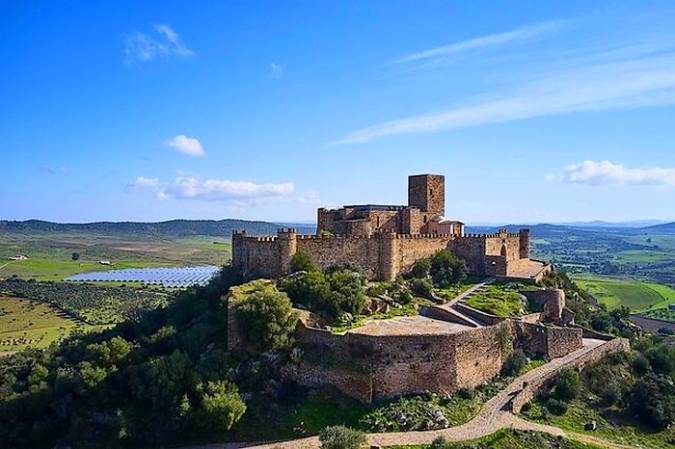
pixel 594 355
pixel 381 255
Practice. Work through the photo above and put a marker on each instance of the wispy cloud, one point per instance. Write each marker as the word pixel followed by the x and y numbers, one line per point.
pixel 624 83
pixel 185 187
pixel 277 70
pixel 522 34
pixel 140 47
pixel 601 173
pixel 186 145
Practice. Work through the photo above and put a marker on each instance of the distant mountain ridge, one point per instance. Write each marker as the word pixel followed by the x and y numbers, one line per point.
pixel 665 228
pixel 222 228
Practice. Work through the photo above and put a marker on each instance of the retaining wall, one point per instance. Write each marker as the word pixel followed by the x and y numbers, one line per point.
pixel 594 355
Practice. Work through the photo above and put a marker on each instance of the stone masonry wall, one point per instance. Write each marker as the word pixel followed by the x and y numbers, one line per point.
pixel 381 256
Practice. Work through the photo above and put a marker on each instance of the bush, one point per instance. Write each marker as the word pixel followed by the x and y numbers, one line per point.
pixel 340 437
pixel 221 405
pixel 301 261
pixel 421 268
pixel 423 288
pixel 567 384
pixel 652 399
pixel 268 320
pixel 446 269
pixel 514 364
pixel 556 406
pixel 438 443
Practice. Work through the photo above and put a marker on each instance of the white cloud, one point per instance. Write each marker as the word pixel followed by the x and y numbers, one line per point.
pixel 139 47
pixel 185 187
pixel 493 40
pixel 629 83
pixel 141 182
pixel 277 70
pixel 186 145
pixel 600 173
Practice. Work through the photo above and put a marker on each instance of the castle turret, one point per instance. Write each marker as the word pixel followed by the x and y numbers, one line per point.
pixel 388 245
pixel 287 240
pixel 524 237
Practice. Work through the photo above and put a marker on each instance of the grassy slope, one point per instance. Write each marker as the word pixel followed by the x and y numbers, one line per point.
pixel 25 323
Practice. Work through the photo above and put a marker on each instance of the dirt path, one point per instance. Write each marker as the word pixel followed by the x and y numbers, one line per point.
pixel 493 416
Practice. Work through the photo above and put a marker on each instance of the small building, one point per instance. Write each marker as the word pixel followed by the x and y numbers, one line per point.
pixel 105 262
pixel 19 257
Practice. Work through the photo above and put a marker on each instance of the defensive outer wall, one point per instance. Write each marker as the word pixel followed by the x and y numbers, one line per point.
pixel 369 367
pixel 382 255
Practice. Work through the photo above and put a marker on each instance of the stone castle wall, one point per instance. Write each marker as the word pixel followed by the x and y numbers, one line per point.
pixel 381 256
pixel 391 365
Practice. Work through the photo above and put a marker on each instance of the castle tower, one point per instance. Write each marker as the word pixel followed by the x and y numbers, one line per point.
pixel 388 248
pixel 524 249
pixel 287 240
pixel 427 193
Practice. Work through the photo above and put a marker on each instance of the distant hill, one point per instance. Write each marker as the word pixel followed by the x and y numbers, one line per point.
pixel 613 224
pixel 666 228
pixel 166 228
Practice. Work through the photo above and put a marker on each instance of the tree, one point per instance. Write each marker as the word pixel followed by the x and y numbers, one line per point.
pixel 421 268
pixel 446 269
pixel 268 320
pixel 567 384
pixel 347 292
pixel 301 261
pixel 221 405
pixel 340 437
pixel 75 256
pixel 652 399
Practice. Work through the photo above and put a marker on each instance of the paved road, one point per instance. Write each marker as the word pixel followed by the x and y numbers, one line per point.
pixel 493 416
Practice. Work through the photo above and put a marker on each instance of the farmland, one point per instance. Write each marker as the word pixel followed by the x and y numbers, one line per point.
pixel 25 323
pixel 635 295
pixel 50 255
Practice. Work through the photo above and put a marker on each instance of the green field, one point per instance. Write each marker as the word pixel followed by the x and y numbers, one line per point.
pixel 50 254
pixel 636 295
pixel 25 323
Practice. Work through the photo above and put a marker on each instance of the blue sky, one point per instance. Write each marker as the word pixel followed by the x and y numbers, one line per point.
pixel 534 111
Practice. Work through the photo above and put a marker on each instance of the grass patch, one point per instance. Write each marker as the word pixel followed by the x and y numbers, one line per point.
pixel 514 439
pixel 636 295
pixel 499 300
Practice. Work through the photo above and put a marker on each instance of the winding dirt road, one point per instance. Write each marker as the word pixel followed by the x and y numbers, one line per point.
pixel 494 415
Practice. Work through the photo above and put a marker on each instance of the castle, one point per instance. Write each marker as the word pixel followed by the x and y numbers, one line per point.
pixel 385 240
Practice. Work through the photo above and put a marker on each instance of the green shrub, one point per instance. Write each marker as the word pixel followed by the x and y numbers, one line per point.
pixel 221 405
pixel 438 443
pixel 567 384
pixel 301 261
pixel 340 437
pixel 421 269
pixel 268 320
pixel 423 288
pixel 515 363
pixel 652 399
pixel 555 406
pixel 446 269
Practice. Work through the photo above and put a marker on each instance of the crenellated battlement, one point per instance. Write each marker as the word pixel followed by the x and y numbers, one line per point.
pixel 384 240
